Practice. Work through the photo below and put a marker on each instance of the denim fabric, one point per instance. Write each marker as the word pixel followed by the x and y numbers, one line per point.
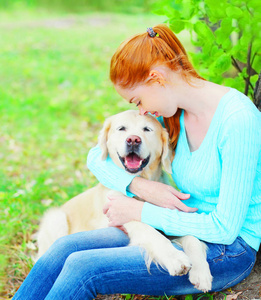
pixel 81 265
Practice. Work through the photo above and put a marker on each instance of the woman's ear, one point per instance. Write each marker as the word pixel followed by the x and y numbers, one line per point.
pixel 102 139
pixel 157 77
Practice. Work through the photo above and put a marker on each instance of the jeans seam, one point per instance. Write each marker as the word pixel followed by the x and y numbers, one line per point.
pixel 235 279
pixel 236 255
pixel 82 287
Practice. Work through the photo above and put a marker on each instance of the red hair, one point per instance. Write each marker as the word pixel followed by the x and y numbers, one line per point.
pixel 134 59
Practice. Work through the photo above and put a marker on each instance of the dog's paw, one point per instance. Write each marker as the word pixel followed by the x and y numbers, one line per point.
pixel 174 261
pixel 201 278
pixel 179 265
pixel 158 248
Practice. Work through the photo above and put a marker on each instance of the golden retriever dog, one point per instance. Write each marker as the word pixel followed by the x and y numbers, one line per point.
pixel 139 145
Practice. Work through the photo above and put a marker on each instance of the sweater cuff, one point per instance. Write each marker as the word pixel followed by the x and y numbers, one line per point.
pixel 128 193
pixel 151 215
pixel 121 179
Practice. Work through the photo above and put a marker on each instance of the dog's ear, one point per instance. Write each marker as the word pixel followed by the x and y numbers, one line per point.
pixel 102 139
pixel 167 153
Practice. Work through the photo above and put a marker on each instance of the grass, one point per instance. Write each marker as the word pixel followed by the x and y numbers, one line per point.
pixel 55 94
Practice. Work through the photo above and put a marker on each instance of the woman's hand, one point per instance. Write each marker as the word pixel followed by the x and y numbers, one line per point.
pixel 160 194
pixel 122 209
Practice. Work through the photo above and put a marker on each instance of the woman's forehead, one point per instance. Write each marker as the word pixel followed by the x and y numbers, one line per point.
pixel 126 93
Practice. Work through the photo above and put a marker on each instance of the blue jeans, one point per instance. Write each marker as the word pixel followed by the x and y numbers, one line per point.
pixel 82 265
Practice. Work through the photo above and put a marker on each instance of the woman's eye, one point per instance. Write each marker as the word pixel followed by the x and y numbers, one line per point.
pixel 147 129
pixel 122 128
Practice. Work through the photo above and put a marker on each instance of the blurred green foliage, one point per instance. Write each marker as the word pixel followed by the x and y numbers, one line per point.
pixel 81 6
pixel 226 34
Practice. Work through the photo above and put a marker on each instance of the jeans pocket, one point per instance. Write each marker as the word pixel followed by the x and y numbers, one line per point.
pixel 240 258
pixel 238 248
pixel 215 252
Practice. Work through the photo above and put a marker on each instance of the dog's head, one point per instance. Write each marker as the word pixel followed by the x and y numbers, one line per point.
pixel 136 143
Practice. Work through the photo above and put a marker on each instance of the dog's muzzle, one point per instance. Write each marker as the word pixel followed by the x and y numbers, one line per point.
pixel 132 162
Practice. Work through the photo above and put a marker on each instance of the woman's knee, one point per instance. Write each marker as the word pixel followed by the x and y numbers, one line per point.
pixel 59 250
pixel 84 262
pixel 64 244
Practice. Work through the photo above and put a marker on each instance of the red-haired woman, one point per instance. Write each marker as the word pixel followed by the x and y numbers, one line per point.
pixel 215 131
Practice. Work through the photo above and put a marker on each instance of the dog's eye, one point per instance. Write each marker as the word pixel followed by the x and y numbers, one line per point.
pixel 122 128
pixel 147 129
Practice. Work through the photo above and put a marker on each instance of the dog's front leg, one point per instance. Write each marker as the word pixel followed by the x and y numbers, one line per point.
pixel 157 248
pixel 199 275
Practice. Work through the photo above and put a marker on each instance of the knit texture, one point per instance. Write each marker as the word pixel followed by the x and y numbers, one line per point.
pixel 109 174
pixel 223 177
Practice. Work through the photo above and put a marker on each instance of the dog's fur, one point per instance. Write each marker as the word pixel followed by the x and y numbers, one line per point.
pixel 139 145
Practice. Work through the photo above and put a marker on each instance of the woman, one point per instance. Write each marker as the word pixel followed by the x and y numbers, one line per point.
pixel 215 132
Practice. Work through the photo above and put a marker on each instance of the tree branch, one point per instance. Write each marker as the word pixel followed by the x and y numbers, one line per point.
pixel 235 64
pixel 248 68
pixel 257 93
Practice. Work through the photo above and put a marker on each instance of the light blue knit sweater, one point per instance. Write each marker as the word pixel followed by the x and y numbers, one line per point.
pixel 223 178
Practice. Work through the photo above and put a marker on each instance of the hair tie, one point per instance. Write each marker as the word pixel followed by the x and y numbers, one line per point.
pixel 151 32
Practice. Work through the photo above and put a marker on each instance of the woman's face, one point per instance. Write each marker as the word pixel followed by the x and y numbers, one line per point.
pixel 155 99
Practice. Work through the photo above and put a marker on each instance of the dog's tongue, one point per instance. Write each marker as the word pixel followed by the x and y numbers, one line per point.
pixel 133 161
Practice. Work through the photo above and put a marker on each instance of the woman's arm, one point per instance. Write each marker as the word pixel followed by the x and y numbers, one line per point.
pixel 239 149
pixel 115 178
pixel 160 194
pixel 108 173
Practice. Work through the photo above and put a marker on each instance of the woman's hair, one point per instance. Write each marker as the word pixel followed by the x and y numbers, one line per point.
pixel 134 59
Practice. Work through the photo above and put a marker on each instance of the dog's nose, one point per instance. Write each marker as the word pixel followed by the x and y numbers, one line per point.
pixel 133 140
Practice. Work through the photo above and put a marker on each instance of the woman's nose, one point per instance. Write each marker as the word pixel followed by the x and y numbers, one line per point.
pixel 142 111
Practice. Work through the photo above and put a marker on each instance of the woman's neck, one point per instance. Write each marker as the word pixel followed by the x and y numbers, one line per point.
pixel 200 103
pixel 200 98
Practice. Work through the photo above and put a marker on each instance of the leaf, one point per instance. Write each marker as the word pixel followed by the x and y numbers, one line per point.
pixel 189 9
pixel 234 12
pixel 215 12
pixel 221 64
pixel 226 25
pixel 239 53
pixel 204 31
pixel 227 44
pixel 189 297
pixel 177 25
pixel 253 79
pixel 31 246
pixel 255 4
pixel 127 297
pixel 234 296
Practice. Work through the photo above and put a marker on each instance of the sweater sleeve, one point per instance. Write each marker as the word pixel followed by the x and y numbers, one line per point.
pixel 239 148
pixel 108 173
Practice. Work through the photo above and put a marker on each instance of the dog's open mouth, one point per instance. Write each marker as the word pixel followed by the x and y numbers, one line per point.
pixel 133 163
